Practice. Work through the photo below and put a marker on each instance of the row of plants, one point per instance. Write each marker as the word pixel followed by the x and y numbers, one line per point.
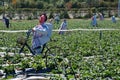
pixel 89 54
pixel 72 24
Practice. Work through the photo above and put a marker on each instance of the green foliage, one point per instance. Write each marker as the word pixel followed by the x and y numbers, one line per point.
pixel 61 4
pixel 29 18
pixel 64 15
pixel 90 56
pixel 40 4
pixel 94 10
pixel 37 63
pixel 51 15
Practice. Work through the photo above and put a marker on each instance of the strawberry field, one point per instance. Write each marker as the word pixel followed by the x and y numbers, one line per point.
pixel 93 54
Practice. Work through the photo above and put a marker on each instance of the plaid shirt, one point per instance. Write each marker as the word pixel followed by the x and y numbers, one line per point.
pixel 41 34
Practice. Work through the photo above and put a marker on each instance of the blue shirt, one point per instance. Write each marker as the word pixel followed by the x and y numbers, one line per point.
pixel 94 20
pixel 113 19
pixel 63 26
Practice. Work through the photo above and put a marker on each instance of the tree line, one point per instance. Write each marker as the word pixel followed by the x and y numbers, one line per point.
pixel 63 7
pixel 53 4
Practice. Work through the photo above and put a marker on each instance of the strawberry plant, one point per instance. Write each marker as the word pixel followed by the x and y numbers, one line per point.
pixel 95 54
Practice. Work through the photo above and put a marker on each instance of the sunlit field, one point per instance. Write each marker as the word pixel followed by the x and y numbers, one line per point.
pixel 72 24
pixel 94 55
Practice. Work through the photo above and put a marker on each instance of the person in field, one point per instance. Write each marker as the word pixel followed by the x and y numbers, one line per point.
pixel 94 20
pixel 41 34
pixel 113 19
pixel 101 16
pixel 6 21
pixel 57 18
pixel 63 26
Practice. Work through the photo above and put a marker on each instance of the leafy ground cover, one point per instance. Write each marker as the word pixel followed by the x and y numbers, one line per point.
pixel 72 24
pixel 92 54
